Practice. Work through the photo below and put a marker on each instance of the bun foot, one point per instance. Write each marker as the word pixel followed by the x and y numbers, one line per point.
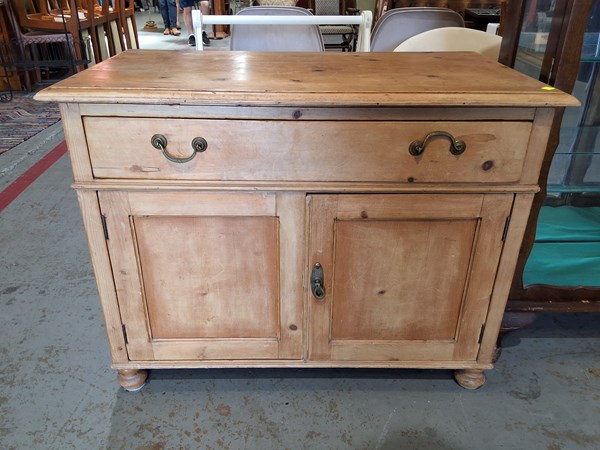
pixel 470 378
pixel 132 380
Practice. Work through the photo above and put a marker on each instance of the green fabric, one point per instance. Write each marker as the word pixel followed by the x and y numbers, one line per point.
pixel 567 248
pixel 568 223
pixel 564 264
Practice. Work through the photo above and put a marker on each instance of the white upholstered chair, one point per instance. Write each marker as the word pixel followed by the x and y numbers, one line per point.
pixel 276 38
pixel 397 25
pixel 453 39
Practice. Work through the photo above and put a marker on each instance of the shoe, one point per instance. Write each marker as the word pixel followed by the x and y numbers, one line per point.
pixel 205 40
pixel 192 40
pixel 175 32
pixel 167 32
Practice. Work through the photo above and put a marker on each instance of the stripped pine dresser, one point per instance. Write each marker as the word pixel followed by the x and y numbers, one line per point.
pixel 304 209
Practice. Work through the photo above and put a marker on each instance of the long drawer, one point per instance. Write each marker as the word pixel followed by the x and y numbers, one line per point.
pixel 357 151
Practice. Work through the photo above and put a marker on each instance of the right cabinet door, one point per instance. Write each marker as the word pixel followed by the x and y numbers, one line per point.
pixel 406 277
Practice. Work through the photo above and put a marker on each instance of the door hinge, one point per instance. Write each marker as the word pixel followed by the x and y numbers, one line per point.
pixel 125 334
pixel 104 227
pixel 481 334
pixel 505 232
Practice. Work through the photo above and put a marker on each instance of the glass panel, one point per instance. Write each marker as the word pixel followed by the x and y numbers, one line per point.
pixel 576 171
pixel 534 36
pixel 567 248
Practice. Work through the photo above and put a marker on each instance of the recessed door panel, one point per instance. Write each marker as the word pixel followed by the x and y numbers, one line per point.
pixel 407 277
pixel 210 277
pixel 400 279
pixel 199 275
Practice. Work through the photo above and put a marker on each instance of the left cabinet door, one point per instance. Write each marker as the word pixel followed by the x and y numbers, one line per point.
pixel 200 276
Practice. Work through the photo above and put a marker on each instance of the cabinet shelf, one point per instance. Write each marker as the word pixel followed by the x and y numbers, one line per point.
pixel 578 264
pixel 567 248
pixel 568 224
pixel 557 270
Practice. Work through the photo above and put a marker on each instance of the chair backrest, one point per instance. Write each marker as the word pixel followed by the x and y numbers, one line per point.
pixel 397 25
pixel 453 40
pixel 13 21
pixel 277 2
pixel 327 7
pixel 276 38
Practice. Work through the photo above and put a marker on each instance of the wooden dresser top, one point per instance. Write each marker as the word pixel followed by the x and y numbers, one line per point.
pixel 306 79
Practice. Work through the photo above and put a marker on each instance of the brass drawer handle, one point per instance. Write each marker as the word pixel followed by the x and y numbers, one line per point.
pixel 159 141
pixel 456 147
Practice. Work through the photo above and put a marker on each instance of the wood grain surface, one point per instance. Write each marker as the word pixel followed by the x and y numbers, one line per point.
pixel 248 78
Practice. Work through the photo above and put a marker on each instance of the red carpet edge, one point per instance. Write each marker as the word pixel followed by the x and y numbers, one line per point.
pixel 8 195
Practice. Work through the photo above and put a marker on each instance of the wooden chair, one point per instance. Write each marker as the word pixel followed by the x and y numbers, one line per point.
pixel 59 18
pixel 9 79
pixel 108 22
pixel 276 38
pixel 98 21
pixel 30 51
pixel 104 27
pixel 126 10
pixel 397 25
pixel 347 33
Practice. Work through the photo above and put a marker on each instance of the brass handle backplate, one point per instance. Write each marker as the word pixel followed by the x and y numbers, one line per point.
pixel 317 282
pixel 199 144
pixel 456 147
pixel 159 141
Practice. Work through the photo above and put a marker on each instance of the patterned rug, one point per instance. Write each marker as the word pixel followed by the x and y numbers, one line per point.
pixel 23 117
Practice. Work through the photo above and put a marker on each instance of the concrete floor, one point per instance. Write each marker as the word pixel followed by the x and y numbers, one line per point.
pixel 156 39
pixel 57 390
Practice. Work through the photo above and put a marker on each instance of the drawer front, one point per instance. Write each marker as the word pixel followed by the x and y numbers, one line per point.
pixel 313 151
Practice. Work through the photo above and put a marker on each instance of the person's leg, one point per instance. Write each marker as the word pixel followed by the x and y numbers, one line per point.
pixel 173 17
pixel 187 19
pixel 205 9
pixel 177 7
pixel 164 12
pixel 188 5
pixel 189 25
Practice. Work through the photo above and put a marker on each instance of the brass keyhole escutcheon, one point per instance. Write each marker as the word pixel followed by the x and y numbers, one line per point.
pixel 317 283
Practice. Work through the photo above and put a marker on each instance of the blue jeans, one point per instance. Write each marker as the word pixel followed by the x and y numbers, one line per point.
pixel 168 11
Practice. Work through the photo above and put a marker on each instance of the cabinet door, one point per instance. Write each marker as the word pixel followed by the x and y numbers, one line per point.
pixel 199 276
pixel 407 277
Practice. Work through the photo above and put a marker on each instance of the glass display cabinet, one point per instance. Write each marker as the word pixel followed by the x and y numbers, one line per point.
pixel 559 264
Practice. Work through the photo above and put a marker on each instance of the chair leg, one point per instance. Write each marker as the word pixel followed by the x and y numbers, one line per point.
pixel 134 32
pixel 116 35
pixel 25 59
pixel 36 57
